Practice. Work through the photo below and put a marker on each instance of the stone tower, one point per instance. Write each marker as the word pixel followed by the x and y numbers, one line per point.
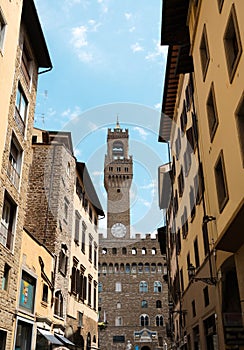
pixel 118 173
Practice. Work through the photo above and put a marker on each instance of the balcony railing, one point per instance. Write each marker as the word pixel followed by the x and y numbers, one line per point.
pixel 13 175
pixel 6 236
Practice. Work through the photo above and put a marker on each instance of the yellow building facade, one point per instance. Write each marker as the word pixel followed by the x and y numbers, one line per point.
pixel 205 249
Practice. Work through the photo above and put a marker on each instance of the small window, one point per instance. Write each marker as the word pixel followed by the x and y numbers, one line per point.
pixel 2 30
pixel 193 306
pixel 90 247
pixel 240 126
pixel 133 251
pixel 77 227
pixel 182 280
pixel 157 287
pixel 212 113
pixel 45 293
pixel 21 104
pixel 144 304
pixel 58 304
pixel 63 259
pixel 206 296
pixel 118 287
pixel 181 183
pixel 196 252
pixel 124 251
pixel 204 53
pixel 158 304
pixel 7 222
pixel 95 256
pixel 68 169
pixel 15 160
pixel 144 320
pixel 127 268
pixel 118 321
pixel 143 287
pixel 221 184
pixel 114 251
pixel 100 287
pixel 118 306
pixel 5 279
pixel 3 337
pixel 154 251
pixel 80 319
pixel 144 251
pixel 66 209
pixel 90 213
pixel 83 239
pixel 232 43
pixel 146 268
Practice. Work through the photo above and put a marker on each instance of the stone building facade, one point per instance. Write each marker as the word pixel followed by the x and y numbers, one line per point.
pixel 133 296
pixel 21 55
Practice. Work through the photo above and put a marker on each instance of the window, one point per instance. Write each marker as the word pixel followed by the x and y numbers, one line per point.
pixel 118 305
pixel 192 203
pixel 27 292
pixel 5 280
pixel 232 43
pixel 140 268
pixel 184 223
pixel 181 183
pixel 178 242
pixel 7 222
pixel 212 113
pixel 124 251
pixel 95 295
pixel 83 239
pixel 95 256
pixel 118 339
pixel 159 320
pixel 2 30
pixel 187 160
pixel 75 277
pixel 90 213
pixel 100 287
pixel 26 65
pixel 104 268
pixel 144 320
pixel 127 268
pixel 118 287
pixel 206 296
pixel 80 319
pixel 183 118
pixel 21 109
pixel 221 184
pixel 133 268
pixel 45 293
pixel 63 259
pixel 118 321
pixel 157 287
pixel 240 126
pixel 3 337
pixel 158 304
pixel 153 268
pixel 58 304
pixel 66 209
pixel 143 287
pixel 114 251
pixel 23 336
pixel 178 144
pixel 147 268
pixel 90 247
pixel 144 251
pixel 15 160
pixel 154 251
pixel 204 53
pixel 89 290
pixel 196 252
pixel 144 304
pixel 77 227
pixel 133 251
pixel 182 280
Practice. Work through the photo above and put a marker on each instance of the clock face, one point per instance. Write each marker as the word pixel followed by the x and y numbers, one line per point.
pixel 118 230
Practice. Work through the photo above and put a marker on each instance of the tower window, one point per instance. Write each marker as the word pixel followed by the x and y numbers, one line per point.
pixel 118 150
pixel 118 190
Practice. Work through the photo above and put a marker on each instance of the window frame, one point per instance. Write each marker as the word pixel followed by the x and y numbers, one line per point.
pixel 220 161
pixel 204 50
pixel 212 112
pixel 3 25
pixel 239 116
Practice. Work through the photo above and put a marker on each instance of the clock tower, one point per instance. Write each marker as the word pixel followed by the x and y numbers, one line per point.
pixel 118 173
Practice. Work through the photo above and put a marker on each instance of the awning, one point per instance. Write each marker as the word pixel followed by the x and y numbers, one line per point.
pixel 50 337
pixel 64 340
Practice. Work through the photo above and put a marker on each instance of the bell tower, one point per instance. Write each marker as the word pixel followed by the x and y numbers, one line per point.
pixel 118 173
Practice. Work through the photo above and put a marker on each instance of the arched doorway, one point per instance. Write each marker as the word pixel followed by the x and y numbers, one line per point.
pixel 145 348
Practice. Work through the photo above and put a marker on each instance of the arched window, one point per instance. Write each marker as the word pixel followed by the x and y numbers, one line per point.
pixel 118 305
pixel 133 268
pixel 143 287
pixel 110 268
pixel 104 268
pixel 140 267
pixel 100 287
pixel 127 268
pixel 154 251
pixel 104 251
pixel 159 320
pixel 144 251
pixel 157 287
pixel 160 268
pixel 118 150
pixel 158 304
pixel 58 304
pixel 153 267
pixel 124 251
pixel 116 268
pixel 133 251
pixel 144 320
pixel 114 251
pixel 147 267
pixel 144 304
pixel 122 268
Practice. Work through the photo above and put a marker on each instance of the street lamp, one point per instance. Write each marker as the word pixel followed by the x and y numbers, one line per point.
pixel 208 280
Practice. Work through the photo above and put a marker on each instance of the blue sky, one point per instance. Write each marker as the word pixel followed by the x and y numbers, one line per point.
pixel 107 61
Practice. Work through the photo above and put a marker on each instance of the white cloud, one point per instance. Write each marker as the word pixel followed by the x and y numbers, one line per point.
pixel 141 132
pixel 128 15
pixel 85 56
pixel 97 173
pixel 77 152
pixel 149 186
pixel 159 51
pixel 94 25
pixel 79 37
pixel 145 202
pixel 132 29
pixel 136 47
pixel 69 114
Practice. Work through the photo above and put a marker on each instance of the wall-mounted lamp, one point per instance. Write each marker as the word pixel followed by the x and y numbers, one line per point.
pixel 208 280
pixel 208 218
